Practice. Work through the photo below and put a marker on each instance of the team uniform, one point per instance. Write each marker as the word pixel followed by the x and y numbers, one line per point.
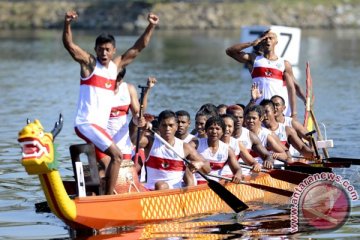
pixel 188 138
pixel 118 124
pixel 234 145
pixel 268 75
pixel 94 105
pixel 217 160
pixel 164 165
pixel 246 141
pixel 263 136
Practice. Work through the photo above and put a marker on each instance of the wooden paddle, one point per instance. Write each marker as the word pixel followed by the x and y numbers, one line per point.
pixel 235 203
pixel 284 175
pixel 279 191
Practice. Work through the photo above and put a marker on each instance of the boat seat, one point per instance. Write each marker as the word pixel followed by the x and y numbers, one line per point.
pixel 91 172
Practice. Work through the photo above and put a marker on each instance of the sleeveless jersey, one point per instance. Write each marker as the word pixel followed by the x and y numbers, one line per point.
pixel 234 145
pixel 263 135
pixel 96 95
pixel 269 77
pixel 246 141
pixel 118 124
pixel 217 160
pixel 281 133
pixel 288 121
pixel 163 164
pixel 188 138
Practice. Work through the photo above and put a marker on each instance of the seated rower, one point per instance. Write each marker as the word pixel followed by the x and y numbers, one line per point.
pixel 242 154
pixel 184 122
pixel 216 152
pixel 165 170
pixel 286 134
pixel 254 116
pixel 279 106
pixel 249 139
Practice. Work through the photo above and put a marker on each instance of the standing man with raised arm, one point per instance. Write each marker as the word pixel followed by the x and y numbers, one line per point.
pixel 273 74
pixel 98 78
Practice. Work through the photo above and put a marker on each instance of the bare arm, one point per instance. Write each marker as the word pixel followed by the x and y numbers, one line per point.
pixel 259 148
pixel 234 166
pixel 300 129
pixel 198 162
pixel 85 59
pixel 150 83
pixel 277 147
pixel 298 144
pixel 248 159
pixel 290 85
pixel 299 91
pixel 237 53
pixel 140 44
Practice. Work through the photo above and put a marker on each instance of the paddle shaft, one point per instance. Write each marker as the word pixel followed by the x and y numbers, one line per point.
pixel 235 203
pixel 284 175
pixel 325 151
pixel 279 191
pixel 136 160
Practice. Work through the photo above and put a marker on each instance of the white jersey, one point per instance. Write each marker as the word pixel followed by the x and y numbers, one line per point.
pixel 268 75
pixel 163 164
pixel 188 138
pixel 288 121
pixel 292 150
pixel 246 141
pixel 118 124
pixel 262 135
pixel 234 145
pixel 96 96
pixel 217 160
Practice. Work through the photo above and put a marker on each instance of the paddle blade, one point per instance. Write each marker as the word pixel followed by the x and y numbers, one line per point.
pixel 288 176
pixel 236 204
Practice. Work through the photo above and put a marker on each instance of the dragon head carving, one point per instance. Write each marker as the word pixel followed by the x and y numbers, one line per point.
pixel 38 155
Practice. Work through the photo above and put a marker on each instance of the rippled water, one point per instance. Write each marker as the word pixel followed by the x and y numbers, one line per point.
pixel 39 80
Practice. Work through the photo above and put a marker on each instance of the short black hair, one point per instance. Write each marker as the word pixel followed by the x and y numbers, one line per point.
pixel 105 38
pixel 267 102
pixel 278 96
pixel 255 108
pixel 215 120
pixel 166 114
pixel 183 113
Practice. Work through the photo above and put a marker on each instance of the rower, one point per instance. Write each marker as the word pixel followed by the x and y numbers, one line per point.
pixel 164 168
pixel 286 134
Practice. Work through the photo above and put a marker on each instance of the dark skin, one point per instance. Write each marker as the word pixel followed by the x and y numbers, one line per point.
pixel 214 133
pixel 167 129
pixel 267 44
pixel 104 54
pixel 255 141
pixel 253 123
pixel 292 138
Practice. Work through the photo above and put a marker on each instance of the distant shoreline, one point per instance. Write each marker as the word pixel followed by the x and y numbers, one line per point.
pixel 211 14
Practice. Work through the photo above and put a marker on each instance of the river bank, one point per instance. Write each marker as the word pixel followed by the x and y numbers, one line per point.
pixel 128 15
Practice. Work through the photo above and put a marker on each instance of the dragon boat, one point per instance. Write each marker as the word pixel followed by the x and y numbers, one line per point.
pixel 133 208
